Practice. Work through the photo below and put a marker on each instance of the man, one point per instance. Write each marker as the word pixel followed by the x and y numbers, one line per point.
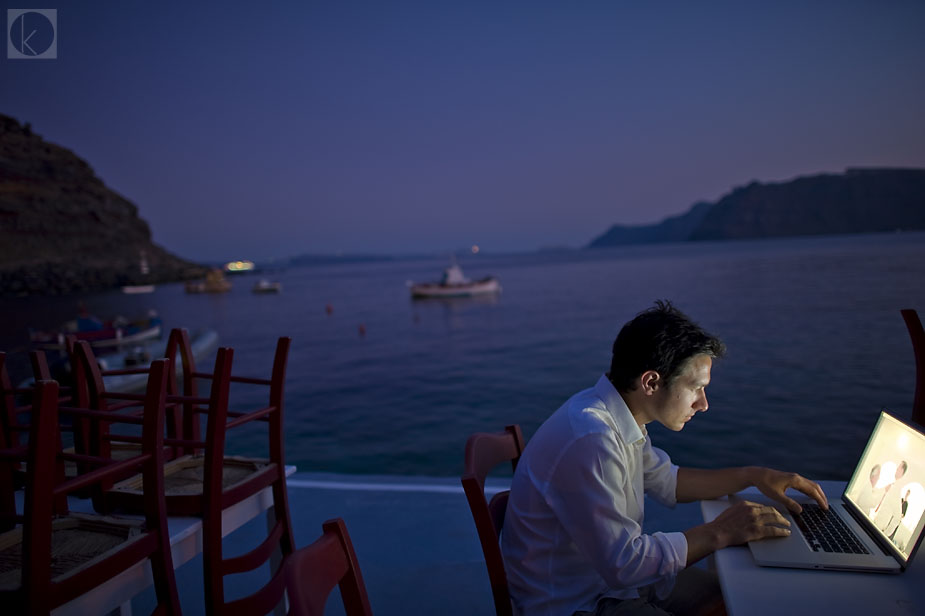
pixel 572 539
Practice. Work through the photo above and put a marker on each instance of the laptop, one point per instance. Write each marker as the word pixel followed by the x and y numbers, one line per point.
pixel 882 506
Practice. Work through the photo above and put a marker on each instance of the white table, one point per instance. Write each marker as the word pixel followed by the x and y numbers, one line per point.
pixel 750 590
pixel 185 544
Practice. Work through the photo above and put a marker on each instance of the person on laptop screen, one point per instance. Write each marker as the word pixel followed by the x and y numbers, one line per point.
pixel 572 539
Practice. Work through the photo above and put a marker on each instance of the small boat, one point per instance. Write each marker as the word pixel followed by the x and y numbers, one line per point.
pixel 239 267
pixel 202 343
pixel 215 282
pixel 265 286
pixel 118 332
pixel 455 284
pixel 144 270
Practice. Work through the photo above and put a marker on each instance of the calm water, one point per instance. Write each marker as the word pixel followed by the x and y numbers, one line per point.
pixel 816 347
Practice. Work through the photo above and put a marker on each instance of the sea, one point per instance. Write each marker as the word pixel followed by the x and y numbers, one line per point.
pixel 378 383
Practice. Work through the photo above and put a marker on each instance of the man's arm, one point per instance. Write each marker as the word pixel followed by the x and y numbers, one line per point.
pixel 701 484
pixel 744 521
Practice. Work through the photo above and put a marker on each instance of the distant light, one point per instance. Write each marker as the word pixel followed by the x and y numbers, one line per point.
pixel 475 249
pixel 239 266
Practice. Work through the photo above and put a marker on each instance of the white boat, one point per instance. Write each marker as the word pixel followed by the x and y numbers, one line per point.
pixel 202 343
pixel 265 286
pixel 144 269
pixel 119 332
pixel 455 284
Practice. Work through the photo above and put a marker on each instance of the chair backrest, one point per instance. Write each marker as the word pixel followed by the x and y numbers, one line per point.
pixel 38 589
pixel 485 451
pixel 917 334
pixel 9 421
pixel 312 573
pixel 217 497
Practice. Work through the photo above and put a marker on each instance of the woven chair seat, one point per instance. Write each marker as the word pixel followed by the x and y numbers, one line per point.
pixel 184 478
pixel 76 541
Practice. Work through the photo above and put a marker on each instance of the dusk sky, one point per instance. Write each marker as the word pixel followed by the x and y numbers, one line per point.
pixel 270 129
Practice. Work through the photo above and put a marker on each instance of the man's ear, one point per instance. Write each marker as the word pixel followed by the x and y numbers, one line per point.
pixel 650 381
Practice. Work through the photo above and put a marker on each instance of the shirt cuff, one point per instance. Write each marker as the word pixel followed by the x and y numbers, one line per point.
pixel 678 542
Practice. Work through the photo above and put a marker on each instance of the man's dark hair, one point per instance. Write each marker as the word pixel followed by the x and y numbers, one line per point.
pixel 661 338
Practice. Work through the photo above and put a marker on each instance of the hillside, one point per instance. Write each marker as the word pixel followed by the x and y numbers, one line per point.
pixel 858 201
pixel 62 230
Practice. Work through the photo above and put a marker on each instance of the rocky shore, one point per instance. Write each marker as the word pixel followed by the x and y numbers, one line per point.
pixel 63 231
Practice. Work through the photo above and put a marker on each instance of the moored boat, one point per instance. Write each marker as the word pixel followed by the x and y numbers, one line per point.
pixel 202 343
pixel 455 284
pixel 117 332
pixel 215 282
pixel 266 286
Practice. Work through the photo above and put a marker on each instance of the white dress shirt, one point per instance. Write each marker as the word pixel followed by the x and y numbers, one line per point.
pixel 572 533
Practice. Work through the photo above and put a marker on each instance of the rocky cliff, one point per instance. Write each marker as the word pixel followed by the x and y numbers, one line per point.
pixel 62 230
pixel 858 201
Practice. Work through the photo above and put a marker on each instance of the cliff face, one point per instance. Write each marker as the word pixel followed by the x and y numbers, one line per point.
pixel 859 201
pixel 674 229
pixel 62 230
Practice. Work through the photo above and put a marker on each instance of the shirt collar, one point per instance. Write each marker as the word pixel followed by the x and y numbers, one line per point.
pixel 616 406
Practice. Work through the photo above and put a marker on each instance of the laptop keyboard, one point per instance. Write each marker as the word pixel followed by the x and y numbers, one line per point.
pixel 827 532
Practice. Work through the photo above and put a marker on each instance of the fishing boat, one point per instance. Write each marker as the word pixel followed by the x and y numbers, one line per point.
pixel 144 287
pixel 202 343
pixel 266 286
pixel 114 333
pixel 215 282
pixel 455 284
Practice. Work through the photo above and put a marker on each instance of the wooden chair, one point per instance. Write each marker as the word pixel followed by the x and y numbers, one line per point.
pixel 48 561
pixel 917 334
pixel 181 417
pixel 312 572
pixel 11 430
pixel 206 485
pixel 484 451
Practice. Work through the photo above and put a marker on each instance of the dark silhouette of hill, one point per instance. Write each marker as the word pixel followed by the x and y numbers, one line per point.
pixel 858 201
pixel 62 230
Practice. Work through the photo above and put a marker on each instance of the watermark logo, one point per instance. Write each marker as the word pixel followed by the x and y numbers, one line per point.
pixel 32 34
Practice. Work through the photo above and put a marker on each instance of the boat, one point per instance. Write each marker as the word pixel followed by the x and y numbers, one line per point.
pixel 239 267
pixel 202 343
pixel 265 286
pixel 215 282
pixel 455 284
pixel 144 270
pixel 115 333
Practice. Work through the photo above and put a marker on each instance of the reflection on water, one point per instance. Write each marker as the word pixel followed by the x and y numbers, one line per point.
pixel 812 326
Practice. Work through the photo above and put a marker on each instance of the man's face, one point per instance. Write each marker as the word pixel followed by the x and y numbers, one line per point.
pixel 675 405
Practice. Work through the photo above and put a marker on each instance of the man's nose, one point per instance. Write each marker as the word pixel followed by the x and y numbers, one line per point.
pixel 702 404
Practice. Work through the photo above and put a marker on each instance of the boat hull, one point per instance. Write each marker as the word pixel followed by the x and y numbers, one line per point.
pixel 485 286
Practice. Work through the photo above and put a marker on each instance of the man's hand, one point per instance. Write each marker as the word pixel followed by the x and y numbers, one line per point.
pixel 774 484
pixel 747 521
pixel 742 522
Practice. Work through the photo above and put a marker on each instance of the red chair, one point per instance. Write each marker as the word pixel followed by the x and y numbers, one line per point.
pixel 484 451
pixel 312 573
pixel 11 429
pixel 917 334
pixel 104 547
pixel 206 485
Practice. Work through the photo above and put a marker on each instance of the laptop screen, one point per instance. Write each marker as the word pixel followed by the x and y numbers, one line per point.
pixel 888 486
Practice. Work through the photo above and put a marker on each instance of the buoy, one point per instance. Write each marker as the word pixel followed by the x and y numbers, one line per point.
pixel 362 329
pixel 329 309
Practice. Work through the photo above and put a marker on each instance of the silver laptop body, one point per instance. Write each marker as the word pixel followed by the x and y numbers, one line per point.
pixel 883 505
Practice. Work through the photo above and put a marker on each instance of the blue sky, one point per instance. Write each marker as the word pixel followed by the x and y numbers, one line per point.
pixel 260 130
